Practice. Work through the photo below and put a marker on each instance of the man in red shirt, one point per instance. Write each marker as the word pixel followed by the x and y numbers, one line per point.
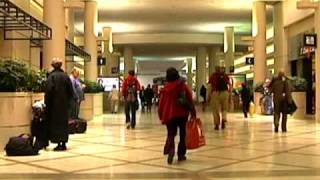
pixel 130 88
pixel 218 93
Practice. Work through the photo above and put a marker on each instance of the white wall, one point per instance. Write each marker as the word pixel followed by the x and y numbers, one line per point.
pixel 147 79
pixel 292 14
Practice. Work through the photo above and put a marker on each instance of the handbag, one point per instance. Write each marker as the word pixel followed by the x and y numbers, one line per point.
pixel 183 100
pixel 21 145
pixel 195 136
pixel 290 107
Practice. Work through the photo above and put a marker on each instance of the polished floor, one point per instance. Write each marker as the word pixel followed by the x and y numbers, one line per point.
pixel 247 149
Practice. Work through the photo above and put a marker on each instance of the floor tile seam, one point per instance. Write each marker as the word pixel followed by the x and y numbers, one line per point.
pixel 115 159
pixel 285 164
pixel 50 159
pixel 42 167
pixel 281 151
pixel 98 167
pixel 173 166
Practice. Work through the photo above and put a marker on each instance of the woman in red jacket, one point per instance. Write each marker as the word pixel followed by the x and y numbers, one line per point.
pixel 173 115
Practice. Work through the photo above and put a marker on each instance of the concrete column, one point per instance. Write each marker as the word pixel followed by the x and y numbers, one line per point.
pixel 129 63
pixel 112 59
pixel 90 39
pixel 189 73
pixel 317 61
pixel 69 18
pixel 229 47
pixel 259 32
pixel 201 69
pixel 213 59
pixel 280 40
pixel 54 17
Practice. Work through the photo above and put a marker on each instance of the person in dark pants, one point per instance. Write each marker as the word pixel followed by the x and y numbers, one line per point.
pixel 246 98
pixel 173 115
pixel 203 94
pixel 281 89
pixel 58 95
pixel 130 89
pixel 142 99
pixel 149 97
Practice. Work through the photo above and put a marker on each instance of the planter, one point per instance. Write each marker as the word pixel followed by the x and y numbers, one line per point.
pixel 300 100
pixel 37 97
pixel 15 115
pixel 92 106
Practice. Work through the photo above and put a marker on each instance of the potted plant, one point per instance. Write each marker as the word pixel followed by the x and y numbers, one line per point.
pixel 15 96
pixel 38 84
pixel 93 103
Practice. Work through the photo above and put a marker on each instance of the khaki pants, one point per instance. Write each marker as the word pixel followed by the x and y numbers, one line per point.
pixel 114 106
pixel 219 103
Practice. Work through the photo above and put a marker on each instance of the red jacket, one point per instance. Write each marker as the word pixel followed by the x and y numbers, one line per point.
pixel 130 80
pixel 213 80
pixel 168 106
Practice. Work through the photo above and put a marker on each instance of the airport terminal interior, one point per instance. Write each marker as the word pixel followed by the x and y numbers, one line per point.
pixel 99 43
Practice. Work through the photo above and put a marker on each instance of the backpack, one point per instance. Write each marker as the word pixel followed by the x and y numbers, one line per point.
pixel 222 84
pixel 21 145
pixel 132 93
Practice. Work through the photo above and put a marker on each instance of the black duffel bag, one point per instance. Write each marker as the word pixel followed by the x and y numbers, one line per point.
pixel 78 126
pixel 21 146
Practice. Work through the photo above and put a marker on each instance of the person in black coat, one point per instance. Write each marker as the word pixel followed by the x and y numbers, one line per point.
pixel 149 95
pixel 246 98
pixel 203 94
pixel 58 96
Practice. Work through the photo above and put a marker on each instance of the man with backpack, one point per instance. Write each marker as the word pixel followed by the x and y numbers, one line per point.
pixel 219 88
pixel 130 88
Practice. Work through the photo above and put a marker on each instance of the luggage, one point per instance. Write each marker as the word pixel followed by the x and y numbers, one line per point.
pixel 78 126
pixel 195 135
pixel 21 145
pixel 290 108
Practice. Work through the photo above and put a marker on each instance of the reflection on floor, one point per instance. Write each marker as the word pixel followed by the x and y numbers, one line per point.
pixel 246 149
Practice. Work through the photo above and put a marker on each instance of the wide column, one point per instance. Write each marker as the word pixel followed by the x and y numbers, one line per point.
pixel 259 34
pixel 317 61
pixel 229 47
pixel 189 73
pixel 90 41
pixel 129 63
pixel 213 59
pixel 54 17
pixel 280 40
pixel 201 70
pixel 69 20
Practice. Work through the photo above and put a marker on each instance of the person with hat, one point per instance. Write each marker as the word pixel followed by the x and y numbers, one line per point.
pixel 58 95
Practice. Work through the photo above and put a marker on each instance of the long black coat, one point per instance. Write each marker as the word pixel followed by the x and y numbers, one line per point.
pixel 57 99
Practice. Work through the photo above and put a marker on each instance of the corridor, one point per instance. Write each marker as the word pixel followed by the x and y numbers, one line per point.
pixel 246 149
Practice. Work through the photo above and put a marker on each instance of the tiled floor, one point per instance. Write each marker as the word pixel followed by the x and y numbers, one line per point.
pixel 247 149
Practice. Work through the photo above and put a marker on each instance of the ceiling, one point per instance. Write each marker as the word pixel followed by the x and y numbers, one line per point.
pixel 172 16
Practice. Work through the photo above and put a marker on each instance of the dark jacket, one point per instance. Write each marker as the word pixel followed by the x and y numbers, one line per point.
pixel 280 87
pixel 58 95
pixel 245 94
pixel 148 94
pixel 168 106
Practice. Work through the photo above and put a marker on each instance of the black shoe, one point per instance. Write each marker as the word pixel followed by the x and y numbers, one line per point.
pixel 170 158
pixel 284 130
pixel 60 148
pixel 182 158
pixel 223 125
pixel 276 129
pixel 216 127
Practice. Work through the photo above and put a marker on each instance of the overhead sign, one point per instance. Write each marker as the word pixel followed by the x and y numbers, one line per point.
pixel 249 60
pixel 102 61
pixel 310 40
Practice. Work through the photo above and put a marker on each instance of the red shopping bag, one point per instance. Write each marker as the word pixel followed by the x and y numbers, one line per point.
pixel 195 135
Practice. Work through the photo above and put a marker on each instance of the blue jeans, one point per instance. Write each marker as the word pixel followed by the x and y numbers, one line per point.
pixel 130 110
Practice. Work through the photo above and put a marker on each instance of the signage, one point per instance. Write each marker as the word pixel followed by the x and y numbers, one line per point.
pixel 310 40
pixel 249 60
pixel 102 61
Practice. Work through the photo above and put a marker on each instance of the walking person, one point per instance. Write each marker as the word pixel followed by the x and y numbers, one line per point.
pixel 142 99
pixel 173 115
pixel 281 89
pixel 219 94
pixel 203 94
pixel 58 95
pixel 130 89
pixel 149 95
pixel 114 98
pixel 246 99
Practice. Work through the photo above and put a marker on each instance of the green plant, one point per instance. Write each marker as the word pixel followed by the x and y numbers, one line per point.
pixel 92 87
pixel 38 81
pixel 298 84
pixel 14 76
